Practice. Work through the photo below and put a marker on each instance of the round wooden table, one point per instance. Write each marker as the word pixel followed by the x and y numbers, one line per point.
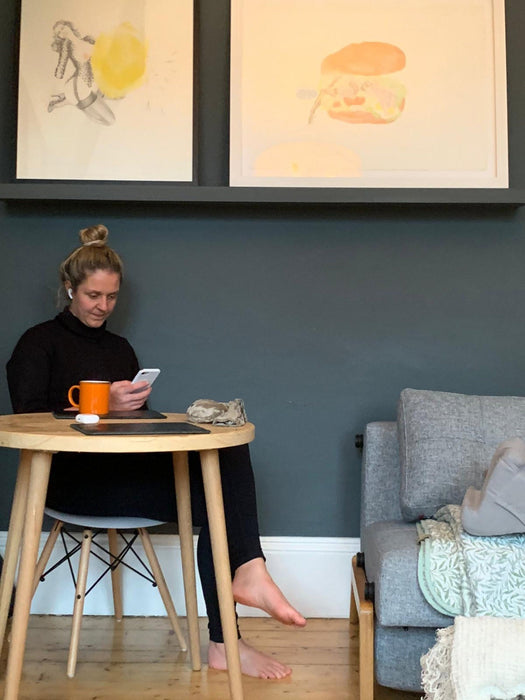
pixel 39 436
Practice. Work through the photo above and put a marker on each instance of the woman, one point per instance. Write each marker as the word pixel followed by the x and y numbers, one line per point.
pixel 75 345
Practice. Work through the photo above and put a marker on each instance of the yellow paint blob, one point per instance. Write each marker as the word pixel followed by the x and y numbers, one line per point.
pixel 119 61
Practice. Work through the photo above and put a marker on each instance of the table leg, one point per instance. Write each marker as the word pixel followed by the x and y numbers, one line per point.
pixel 182 493
pixel 14 537
pixel 221 560
pixel 38 480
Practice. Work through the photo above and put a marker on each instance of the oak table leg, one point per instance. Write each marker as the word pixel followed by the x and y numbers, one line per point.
pixel 182 493
pixel 215 508
pixel 14 537
pixel 38 480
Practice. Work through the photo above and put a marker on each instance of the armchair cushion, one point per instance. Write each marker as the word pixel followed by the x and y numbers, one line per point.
pixel 391 560
pixel 446 444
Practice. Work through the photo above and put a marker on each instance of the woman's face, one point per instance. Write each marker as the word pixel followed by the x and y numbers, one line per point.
pixel 95 297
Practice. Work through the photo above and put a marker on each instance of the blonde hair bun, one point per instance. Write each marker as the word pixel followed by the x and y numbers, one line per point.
pixel 94 235
pixel 92 255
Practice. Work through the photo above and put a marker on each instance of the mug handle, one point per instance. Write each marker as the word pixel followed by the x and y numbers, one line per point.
pixel 70 397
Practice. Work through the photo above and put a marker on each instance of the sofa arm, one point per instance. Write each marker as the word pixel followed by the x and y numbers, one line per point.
pixel 381 474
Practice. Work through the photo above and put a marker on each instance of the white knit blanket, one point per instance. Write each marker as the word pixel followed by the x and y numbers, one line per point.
pixel 476 658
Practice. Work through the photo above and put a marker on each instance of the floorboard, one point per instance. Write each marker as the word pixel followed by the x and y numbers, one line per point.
pixel 139 658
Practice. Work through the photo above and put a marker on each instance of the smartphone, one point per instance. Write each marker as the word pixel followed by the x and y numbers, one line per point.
pixel 146 375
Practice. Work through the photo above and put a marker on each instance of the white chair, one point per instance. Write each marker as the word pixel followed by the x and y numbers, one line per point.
pixel 112 558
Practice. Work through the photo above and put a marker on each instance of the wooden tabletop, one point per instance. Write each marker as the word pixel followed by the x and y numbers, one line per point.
pixel 43 432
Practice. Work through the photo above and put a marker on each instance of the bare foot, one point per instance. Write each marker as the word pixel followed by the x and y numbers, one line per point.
pixel 253 663
pixel 252 585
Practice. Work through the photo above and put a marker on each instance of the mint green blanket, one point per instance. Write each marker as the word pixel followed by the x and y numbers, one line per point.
pixel 462 574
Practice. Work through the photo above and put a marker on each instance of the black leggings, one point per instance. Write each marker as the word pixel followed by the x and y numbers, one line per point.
pixel 142 485
pixel 242 527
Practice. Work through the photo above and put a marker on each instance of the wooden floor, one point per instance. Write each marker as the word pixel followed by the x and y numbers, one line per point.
pixel 139 659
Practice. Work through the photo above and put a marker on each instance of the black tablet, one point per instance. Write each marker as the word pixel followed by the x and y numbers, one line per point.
pixel 167 428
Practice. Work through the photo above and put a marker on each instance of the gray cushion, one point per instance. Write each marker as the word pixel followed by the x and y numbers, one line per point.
pixel 446 442
pixel 381 476
pixel 391 553
pixel 398 652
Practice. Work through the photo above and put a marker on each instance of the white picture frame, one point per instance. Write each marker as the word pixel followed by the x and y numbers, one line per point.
pixel 106 90
pixel 448 99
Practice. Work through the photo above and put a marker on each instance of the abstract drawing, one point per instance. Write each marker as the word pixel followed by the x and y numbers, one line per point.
pixel 106 90
pixel 106 68
pixel 356 86
pixel 368 93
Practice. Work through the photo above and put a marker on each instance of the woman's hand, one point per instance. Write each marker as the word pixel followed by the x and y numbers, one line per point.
pixel 128 396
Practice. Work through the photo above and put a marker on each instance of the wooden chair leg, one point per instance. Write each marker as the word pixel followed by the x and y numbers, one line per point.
pixel 116 575
pixel 163 588
pixel 364 612
pixel 78 609
pixel 46 552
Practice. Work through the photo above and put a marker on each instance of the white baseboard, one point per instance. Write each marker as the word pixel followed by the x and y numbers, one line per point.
pixel 313 572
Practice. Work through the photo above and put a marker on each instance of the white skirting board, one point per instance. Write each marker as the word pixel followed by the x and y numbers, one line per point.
pixel 313 573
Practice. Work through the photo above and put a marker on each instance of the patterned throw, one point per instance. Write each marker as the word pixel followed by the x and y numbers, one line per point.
pixel 462 574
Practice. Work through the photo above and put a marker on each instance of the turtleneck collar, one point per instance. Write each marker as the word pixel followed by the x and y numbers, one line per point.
pixel 73 324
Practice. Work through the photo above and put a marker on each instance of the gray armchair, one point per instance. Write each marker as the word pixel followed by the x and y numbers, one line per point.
pixel 441 444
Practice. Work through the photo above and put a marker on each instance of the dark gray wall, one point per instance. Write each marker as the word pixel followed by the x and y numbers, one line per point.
pixel 317 316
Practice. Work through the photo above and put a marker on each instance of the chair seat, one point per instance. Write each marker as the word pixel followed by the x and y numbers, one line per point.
pixel 391 562
pixel 102 522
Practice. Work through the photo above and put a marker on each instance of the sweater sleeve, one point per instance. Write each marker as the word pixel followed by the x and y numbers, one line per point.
pixel 29 374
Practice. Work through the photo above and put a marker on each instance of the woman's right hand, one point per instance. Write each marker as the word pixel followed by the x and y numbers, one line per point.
pixel 128 396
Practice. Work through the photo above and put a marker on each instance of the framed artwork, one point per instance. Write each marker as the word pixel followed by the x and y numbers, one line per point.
pixel 368 93
pixel 106 90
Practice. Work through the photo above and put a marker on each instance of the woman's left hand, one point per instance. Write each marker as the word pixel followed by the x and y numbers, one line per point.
pixel 128 396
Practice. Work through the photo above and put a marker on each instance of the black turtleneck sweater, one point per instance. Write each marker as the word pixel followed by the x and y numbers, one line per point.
pixel 54 355
pixel 47 360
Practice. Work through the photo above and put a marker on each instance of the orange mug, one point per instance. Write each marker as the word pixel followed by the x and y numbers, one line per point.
pixel 93 396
